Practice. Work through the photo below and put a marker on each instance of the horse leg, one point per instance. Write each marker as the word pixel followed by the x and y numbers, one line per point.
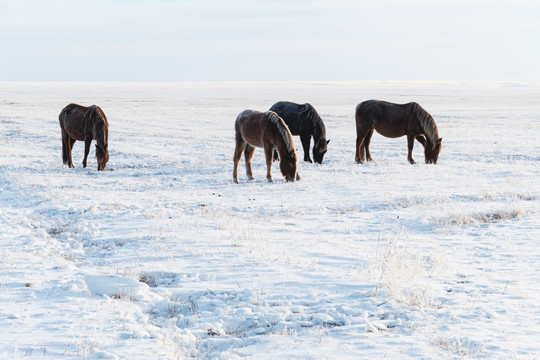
pixel 248 155
pixel 360 136
pixel 410 145
pixel 367 140
pixel 421 139
pixel 269 154
pixel 240 146
pixel 87 143
pixel 306 139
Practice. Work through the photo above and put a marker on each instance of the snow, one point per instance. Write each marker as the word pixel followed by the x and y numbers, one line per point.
pixel 162 256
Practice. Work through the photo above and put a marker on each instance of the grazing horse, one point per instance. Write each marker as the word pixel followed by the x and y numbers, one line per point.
pixel 303 120
pixel 84 124
pixel 269 131
pixel 395 120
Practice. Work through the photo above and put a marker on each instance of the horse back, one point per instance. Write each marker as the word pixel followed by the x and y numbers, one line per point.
pixel 295 116
pixel 388 119
pixel 252 126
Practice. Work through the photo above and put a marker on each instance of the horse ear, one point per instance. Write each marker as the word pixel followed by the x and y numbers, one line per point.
pixel 440 140
pixel 327 141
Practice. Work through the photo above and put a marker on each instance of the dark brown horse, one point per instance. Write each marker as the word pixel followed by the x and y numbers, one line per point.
pixel 84 124
pixel 269 131
pixel 303 120
pixel 395 120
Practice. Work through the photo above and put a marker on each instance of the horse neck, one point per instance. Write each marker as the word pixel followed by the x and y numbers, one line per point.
pixel 283 139
pixel 100 138
pixel 99 128
pixel 318 130
pixel 429 127
pixel 431 132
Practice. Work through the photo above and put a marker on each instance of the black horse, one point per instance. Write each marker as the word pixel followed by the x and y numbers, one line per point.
pixel 303 120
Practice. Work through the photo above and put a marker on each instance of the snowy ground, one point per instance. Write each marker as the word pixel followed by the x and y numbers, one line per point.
pixel 164 257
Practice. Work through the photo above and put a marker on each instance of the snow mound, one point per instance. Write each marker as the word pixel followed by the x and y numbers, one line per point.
pixel 116 286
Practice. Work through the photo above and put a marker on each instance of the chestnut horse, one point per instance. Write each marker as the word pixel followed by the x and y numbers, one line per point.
pixel 269 131
pixel 395 120
pixel 303 120
pixel 84 124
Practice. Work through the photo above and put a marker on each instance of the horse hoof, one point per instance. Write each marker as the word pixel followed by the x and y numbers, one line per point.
pixel 250 178
pixel 270 180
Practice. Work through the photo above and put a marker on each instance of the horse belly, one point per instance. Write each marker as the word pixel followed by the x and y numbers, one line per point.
pixel 253 132
pixel 294 126
pixel 74 129
pixel 253 140
pixel 389 128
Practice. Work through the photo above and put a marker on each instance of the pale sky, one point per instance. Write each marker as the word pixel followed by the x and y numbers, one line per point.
pixel 252 40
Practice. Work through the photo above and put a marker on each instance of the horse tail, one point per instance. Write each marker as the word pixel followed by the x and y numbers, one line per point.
pixel 283 131
pixel 65 137
pixel 361 110
pixel 427 124
pixel 65 147
pixel 238 126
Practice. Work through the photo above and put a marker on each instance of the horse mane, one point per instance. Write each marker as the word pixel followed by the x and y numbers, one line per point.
pixel 99 122
pixel 283 131
pixel 426 123
pixel 313 115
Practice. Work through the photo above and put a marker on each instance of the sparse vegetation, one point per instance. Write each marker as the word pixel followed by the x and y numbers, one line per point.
pixel 485 217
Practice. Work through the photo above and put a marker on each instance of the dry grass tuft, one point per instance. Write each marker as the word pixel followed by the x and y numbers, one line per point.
pixel 485 217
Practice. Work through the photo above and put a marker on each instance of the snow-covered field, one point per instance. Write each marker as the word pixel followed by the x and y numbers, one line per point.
pixel 164 257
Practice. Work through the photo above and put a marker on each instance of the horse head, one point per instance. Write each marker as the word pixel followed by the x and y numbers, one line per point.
pixel 287 165
pixel 319 149
pixel 102 155
pixel 432 151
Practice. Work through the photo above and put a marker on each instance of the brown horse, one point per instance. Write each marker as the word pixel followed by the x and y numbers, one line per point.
pixel 84 124
pixel 395 120
pixel 269 131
